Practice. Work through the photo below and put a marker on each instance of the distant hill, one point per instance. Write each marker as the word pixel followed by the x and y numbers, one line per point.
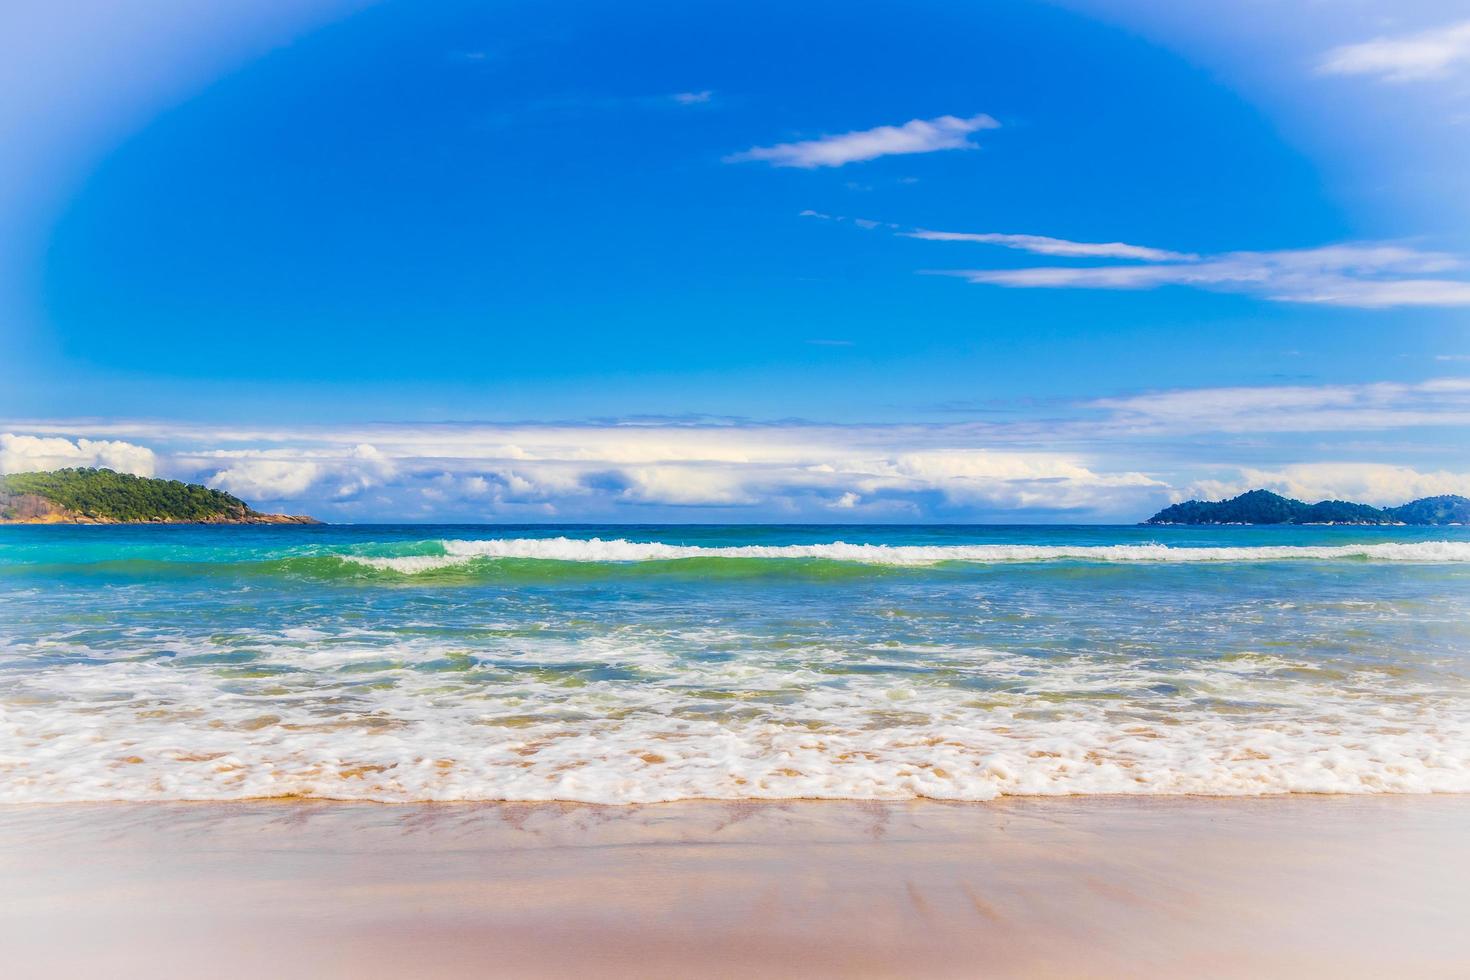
pixel 102 496
pixel 1265 507
pixel 1445 509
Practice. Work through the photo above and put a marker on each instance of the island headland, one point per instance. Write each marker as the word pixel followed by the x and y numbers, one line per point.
pixel 103 496
pixel 1265 507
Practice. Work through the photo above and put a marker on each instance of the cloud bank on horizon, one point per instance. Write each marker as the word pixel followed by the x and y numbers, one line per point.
pixel 1055 468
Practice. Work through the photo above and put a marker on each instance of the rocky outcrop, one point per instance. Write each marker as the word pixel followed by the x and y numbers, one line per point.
pixel 28 508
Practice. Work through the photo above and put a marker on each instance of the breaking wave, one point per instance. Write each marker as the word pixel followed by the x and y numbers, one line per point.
pixel 408 664
pixel 454 553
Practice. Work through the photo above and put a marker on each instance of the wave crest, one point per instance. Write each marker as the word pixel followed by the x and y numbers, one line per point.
pixel 623 551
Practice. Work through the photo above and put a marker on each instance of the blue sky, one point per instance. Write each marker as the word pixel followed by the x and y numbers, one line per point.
pixel 738 261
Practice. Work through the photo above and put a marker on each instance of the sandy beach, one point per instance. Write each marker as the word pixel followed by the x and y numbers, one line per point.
pixel 734 490
pixel 1290 886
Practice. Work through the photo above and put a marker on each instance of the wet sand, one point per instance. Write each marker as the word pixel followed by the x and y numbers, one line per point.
pixel 1101 887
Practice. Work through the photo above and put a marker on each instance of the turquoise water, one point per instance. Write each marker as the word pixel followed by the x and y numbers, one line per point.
pixel 628 664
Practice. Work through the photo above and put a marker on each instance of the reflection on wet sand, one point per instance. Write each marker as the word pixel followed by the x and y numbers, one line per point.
pixel 1098 887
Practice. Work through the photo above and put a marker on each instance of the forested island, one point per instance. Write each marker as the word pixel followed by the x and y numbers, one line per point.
pixel 1265 507
pixel 102 496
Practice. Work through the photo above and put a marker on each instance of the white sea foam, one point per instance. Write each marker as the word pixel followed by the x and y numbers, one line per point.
pixel 619 550
pixel 951 686
pixel 358 719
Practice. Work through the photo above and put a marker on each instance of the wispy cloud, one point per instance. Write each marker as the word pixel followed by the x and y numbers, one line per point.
pixel 1042 245
pixel 1369 275
pixel 1036 244
pixel 866 224
pixel 1293 408
pixel 1404 58
pixel 1366 275
pixel 577 105
pixel 914 136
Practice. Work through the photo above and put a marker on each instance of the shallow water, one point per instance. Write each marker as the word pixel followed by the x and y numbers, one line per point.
pixel 618 664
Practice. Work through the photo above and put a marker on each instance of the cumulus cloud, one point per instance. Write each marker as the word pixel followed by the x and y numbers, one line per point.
pixel 287 474
pixel 1004 479
pixel 688 486
pixel 23 454
pixel 1381 484
pixel 1403 58
pixel 738 467
pixel 266 479
pixel 482 469
pixel 1109 458
pixel 1355 274
pixel 914 136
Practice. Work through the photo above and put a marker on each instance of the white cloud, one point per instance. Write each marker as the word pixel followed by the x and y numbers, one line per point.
pixel 1383 485
pixel 1368 294
pixel 867 224
pixel 1111 458
pixel 1355 274
pixel 266 479
pixel 1042 245
pixel 689 486
pixel 914 136
pixel 24 454
pixel 604 469
pixel 285 474
pixel 1294 408
pixel 692 98
pixel 1405 58
pixel 1014 480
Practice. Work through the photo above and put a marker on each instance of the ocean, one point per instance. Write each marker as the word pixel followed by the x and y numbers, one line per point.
pixel 630 664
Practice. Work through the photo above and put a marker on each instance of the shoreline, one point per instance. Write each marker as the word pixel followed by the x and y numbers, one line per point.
pixel 290 799
pixel 1035 886
pixel 60 520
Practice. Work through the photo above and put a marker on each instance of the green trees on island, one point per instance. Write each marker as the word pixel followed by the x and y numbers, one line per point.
pixel 1444 509
pixel 103 494
pixel 1265 507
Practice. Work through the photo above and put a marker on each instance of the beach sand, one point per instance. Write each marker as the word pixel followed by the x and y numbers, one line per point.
pixel 1293 886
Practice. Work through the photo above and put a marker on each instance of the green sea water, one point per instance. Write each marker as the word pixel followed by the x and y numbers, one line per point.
pixel 629 664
